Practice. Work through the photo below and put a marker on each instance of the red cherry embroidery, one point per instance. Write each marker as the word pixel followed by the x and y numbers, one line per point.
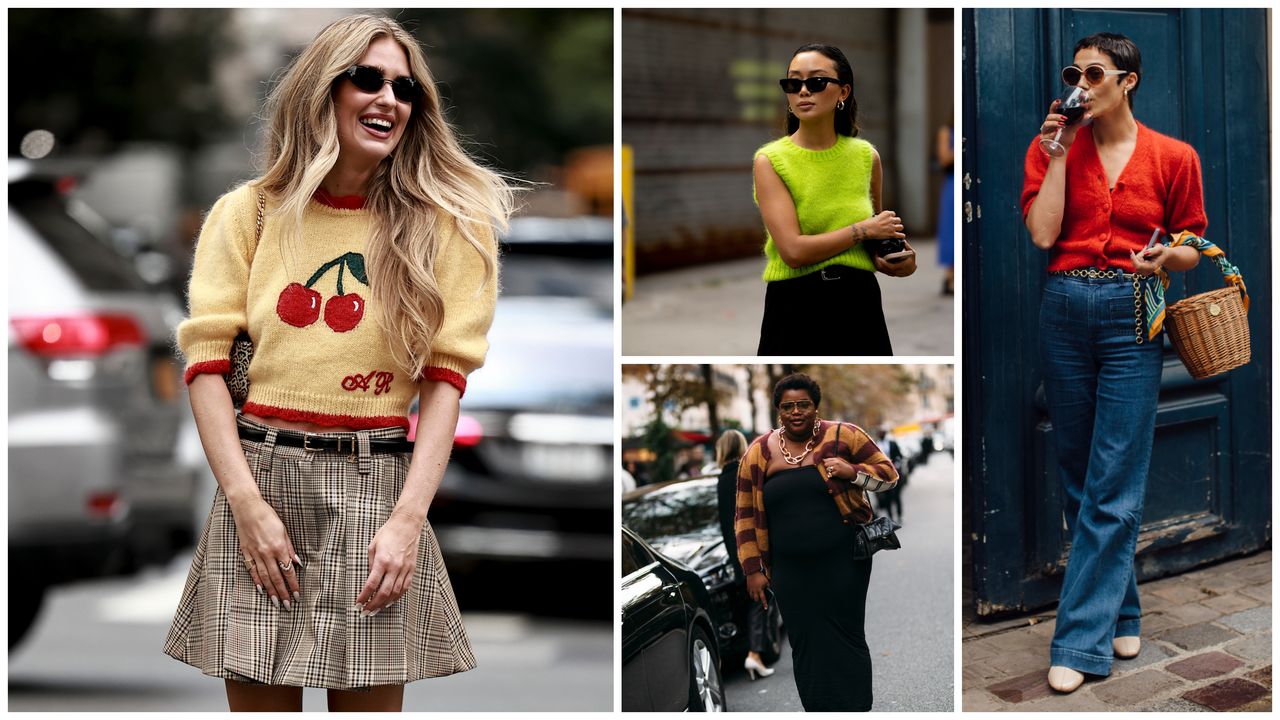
pixel 343 312
pixel 299 306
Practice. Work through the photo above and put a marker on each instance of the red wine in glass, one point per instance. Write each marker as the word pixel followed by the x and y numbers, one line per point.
pixel 1072 106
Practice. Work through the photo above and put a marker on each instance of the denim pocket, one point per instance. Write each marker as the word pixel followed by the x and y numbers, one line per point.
pixel 1121 315
pixel 1055 309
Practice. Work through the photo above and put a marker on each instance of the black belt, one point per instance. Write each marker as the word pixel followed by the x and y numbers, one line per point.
pixel 334 443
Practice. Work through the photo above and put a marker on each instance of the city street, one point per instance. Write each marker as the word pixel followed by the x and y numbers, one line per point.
pixel 909 612
pixel 716 309
pixel 97 646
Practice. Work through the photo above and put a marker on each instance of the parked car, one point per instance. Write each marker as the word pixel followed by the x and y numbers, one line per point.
pixel 95 397
pixel 670 657
pixel 681 520
pixel 531 479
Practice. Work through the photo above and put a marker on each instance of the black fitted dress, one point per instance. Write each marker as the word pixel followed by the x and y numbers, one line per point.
pixel 821 591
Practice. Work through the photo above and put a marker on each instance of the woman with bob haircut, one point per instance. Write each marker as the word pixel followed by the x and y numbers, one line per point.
pixel 363 266
pixel 819 192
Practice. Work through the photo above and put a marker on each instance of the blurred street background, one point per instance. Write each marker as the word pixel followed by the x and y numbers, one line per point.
pixel 142 118
pixel 699 96
pixel 672 415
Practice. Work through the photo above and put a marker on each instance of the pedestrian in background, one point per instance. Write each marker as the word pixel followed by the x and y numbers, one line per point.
pixel 1100 353
pixel 317 566
pixel 730 447
pixel 819 192
pixel 801 496
pixel 944 151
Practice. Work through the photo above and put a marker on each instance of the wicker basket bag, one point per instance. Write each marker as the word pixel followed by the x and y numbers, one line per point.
pixel 1210 331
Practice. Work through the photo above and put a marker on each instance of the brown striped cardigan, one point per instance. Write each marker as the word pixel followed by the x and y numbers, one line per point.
pixel 875 472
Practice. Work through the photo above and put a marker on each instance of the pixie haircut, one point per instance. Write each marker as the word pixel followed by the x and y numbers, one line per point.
pixel 797 381
pixel 1122 51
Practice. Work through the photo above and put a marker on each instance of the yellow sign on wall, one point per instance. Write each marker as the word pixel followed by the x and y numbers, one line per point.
pixel 628 224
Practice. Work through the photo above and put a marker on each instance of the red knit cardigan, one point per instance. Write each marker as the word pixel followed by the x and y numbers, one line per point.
pixel 1159 187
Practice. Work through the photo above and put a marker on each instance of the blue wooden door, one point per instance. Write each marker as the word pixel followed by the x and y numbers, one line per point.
pixel 1209 491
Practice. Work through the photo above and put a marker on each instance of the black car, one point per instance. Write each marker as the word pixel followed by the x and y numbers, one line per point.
pixel 681 520
pixel 670 658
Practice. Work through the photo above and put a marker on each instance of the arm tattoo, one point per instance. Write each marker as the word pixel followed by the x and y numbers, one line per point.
pixel 859 234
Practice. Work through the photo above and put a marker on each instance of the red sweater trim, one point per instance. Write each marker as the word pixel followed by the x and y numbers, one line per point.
pixel 452 377
pixel 209 367
pixel 351 421
pixel 341 202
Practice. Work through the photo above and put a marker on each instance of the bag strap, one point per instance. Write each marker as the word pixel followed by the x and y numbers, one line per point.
pixel 1230 273
pixel 262 209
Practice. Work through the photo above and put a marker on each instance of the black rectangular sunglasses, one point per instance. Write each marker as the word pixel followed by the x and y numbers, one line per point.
pixel 370 80
pixel 791 85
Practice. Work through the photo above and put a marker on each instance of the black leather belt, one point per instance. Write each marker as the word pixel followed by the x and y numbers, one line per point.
pixel 345 442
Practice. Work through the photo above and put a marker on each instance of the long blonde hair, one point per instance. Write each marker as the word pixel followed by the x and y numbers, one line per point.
pixel 426 189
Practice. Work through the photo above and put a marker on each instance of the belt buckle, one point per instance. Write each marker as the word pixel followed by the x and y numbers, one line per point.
pixel 306 443
pixel 824 275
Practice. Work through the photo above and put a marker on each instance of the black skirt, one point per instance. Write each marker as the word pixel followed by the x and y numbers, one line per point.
pixel 834 311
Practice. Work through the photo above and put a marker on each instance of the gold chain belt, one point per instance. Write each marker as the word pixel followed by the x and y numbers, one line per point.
pixel 1138 335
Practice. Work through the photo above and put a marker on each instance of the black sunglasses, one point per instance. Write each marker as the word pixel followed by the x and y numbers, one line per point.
pixel 791 86
pixel 370 80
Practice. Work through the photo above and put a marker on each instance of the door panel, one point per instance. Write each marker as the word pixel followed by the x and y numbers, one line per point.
pixel 1208 492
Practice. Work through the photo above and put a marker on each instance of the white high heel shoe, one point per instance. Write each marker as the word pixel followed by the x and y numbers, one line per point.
pixel 755 667
pixel 1064 679
pixel 1127 647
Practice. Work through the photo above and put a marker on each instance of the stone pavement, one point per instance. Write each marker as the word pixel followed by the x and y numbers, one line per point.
pixel 716 309
pixel 1206 646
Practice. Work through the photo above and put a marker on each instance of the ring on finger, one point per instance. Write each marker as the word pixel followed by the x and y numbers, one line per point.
pixel 285 566
pixel 248 562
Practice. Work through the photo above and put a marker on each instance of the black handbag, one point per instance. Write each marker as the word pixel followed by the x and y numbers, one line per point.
pixel 879 534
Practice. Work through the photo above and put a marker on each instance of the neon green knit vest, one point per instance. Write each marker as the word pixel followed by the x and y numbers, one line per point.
pixel 831 189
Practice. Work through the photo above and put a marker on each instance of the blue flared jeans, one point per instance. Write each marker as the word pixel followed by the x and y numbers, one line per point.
pixel 1102 388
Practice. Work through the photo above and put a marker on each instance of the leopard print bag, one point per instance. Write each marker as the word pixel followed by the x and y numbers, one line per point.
pixel 242 346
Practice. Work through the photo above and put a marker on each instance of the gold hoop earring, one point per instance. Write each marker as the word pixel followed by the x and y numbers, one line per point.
pixel 840 105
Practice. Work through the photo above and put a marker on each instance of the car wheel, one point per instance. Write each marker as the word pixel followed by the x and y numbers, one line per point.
pixel 773 636
pixel 706 692
pixel 24 607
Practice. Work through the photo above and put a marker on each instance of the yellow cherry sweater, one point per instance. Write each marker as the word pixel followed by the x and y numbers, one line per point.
pixel 320 356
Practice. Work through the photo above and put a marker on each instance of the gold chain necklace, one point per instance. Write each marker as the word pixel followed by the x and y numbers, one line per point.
pixel 787 457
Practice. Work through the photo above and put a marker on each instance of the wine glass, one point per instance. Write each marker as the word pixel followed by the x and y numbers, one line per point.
pixel 1072 106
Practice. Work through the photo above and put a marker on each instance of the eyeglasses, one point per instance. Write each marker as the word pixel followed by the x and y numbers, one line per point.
pixel 791 86
pixel 790 407
pixel 370 80
pixel 1094 74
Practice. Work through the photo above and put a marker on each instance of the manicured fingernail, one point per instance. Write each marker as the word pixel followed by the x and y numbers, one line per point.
pixel 358 606
pixel 297 559
pixel 286 604
pixel 297 596
pixel 275 601
pixel 260 591
pixel 375 612
pixel 365 613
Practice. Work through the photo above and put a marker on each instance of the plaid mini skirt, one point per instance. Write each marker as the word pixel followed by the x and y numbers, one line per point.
pixel 331 505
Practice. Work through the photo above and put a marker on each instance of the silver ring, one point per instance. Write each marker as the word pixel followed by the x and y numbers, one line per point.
pixel 285 566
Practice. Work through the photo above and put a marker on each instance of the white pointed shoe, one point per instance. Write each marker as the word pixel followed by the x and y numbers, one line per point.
pixel 755 667
pixel 1064 679
pixel 1127 647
